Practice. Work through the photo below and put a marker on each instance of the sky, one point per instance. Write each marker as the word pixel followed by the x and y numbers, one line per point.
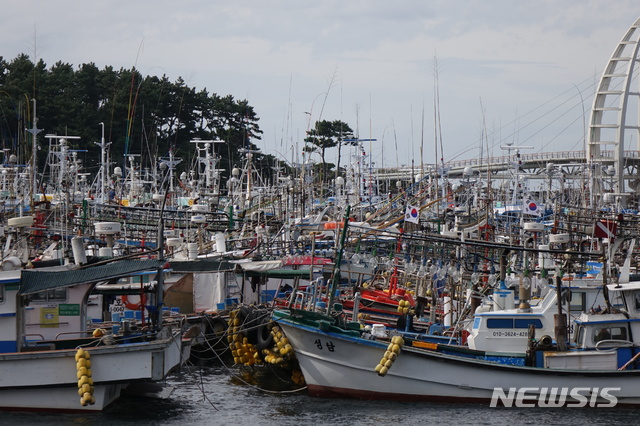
pixel 431 81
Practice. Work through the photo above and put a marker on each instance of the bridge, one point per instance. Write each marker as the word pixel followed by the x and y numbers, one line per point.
pixel 571 164
pixel 605 166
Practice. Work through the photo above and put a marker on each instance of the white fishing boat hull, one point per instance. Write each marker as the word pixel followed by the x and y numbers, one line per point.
pixel 335 365
pixel 47 380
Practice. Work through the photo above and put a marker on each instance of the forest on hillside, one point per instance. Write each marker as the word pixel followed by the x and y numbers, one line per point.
pixel 141 115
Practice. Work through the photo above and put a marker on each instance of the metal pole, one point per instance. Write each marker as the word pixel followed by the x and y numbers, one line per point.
pixel 335 278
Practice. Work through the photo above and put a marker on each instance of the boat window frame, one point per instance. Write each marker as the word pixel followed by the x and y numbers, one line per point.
pixel 49 296
pixel 499 322
pixel 515 323
pixel 622 334
pixel 580 335
pixel 527 322
pixel 636 298
pixel 574 306
pixel 476 323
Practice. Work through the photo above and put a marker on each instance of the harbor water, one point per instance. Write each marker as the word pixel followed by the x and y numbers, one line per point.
pixel 217 395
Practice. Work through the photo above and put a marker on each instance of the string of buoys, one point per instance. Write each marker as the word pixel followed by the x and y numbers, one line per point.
pixel 279 353
pixel 403 306
pixel 85 382
pixel 392 352
pixel 298 378
pixel 243 352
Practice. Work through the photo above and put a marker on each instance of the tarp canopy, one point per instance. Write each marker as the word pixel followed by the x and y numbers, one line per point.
pixel 35 281
pixel 279 273
pixel 201 265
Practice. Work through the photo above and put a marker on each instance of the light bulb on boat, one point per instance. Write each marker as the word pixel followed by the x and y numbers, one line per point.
pixel 422 272
pixel 372 262
pixel 492 280
pixel 455 274
pixel 433 269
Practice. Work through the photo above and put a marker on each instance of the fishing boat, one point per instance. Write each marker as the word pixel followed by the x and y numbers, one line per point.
pixel 339 359
pixel 54 358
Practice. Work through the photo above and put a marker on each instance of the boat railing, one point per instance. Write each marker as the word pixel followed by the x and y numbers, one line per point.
pixel 302 299
pixel 34 335
pixel 611 344
pixel 72 332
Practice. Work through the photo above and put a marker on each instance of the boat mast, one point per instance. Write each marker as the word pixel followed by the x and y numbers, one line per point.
pixel 34 131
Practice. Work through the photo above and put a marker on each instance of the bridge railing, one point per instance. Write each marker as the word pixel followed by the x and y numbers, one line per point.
pixel 576 156
pixel 540 156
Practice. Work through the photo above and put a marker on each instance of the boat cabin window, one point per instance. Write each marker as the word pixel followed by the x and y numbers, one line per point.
pixel 637 299
pixel 513 323
pixel 609 333
pixel 1 293
pixel 57 295
pixel 579 337
pixel 577 302
pixel 476 323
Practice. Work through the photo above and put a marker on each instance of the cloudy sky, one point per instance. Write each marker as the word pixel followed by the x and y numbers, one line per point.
pixel 507 71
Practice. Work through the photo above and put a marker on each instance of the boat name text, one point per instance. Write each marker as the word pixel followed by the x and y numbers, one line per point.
pixel 327 345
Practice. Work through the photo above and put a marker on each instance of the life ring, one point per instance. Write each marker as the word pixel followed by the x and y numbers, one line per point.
pixel 264 336
pixel 134 306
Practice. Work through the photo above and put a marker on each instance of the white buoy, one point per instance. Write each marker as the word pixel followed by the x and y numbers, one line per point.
pixel 544 259
pixel 448 312
pixel 11 263
pixel 221 242
pixel 105 252
pixel 192 251
pixel 79 254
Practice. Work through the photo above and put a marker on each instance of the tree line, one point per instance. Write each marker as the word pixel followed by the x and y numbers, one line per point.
pixel 142 115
